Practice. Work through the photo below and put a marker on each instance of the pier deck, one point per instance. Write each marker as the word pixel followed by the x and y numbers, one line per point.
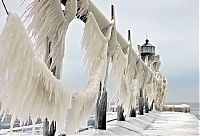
pixel 154 123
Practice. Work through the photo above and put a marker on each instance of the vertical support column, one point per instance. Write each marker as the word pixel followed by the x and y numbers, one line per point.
pixel 5 7
pixel 146 105
pixel 112 12
pixel 120 115
pixel 151 107
pixel 132 112
pixel 46 127
pixel 129 35
pixel 101 106
pixel 133 109
pixel 46 131
pixel 52 129
pixel 141 103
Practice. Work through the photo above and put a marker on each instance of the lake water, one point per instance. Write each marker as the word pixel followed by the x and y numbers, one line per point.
pixel 194 107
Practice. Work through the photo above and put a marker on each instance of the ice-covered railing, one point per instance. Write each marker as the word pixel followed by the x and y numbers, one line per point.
pixel 149 84
pixel 102 22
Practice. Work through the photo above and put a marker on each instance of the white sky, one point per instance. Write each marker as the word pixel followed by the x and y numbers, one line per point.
pixel 171 25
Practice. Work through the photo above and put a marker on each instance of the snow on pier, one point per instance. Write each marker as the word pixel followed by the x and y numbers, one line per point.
pixel 154 123
pixel 177 108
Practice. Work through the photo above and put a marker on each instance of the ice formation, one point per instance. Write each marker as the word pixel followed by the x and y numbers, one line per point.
pixel 119 64
pixel 82 7
pixel 133 75
pixel 95 46
pixel 30 88
pixel 137 65
pixel 92 49
pixel 48 26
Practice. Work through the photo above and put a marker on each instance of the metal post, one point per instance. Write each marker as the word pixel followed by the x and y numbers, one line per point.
pixel 5 7
pixel 129 35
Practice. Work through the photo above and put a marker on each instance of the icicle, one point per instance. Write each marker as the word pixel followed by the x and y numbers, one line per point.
pixel 119 68
pixel 84 101
pixel 93 48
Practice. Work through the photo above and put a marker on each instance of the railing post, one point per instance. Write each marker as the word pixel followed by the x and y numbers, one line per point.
pixel 132 112
pixel 151 107
pixel 46 127
pixel 133 109
pixel 129 35
pixel 46 130
pixel 141 103
pixel 146 105
pixel 52 129
pixel 101 107
pixel 120 111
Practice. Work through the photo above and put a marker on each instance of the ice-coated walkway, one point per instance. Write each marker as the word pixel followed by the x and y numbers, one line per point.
pixel 153 123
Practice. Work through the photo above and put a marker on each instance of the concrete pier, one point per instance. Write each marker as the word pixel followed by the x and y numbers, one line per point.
pixel 153 123
pixel 177 108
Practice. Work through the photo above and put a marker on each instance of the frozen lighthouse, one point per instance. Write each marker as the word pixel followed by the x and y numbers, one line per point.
pixel 148 55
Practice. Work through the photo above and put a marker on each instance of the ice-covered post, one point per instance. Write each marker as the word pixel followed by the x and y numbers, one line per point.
pixel 141 102
pixel 52 128
pixel 146 105
pixel 101 106
pixel 46 131
pixel 151 107
pixel 120 113
pixel 132 110
pixel 46 127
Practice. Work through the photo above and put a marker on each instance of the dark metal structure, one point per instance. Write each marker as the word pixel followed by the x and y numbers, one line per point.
pixel 147 49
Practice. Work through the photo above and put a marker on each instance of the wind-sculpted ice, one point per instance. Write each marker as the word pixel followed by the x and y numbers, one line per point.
pixel 31 89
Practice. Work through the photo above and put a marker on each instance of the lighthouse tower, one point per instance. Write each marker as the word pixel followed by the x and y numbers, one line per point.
pixel 148 55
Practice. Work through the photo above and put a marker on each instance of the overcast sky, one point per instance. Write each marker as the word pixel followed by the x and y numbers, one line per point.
pixel 171 25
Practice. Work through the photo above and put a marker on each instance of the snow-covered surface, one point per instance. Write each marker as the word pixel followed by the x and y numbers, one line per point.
pixel 177 108
pixel 154 123
pixel 23 131
pixel 173 124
